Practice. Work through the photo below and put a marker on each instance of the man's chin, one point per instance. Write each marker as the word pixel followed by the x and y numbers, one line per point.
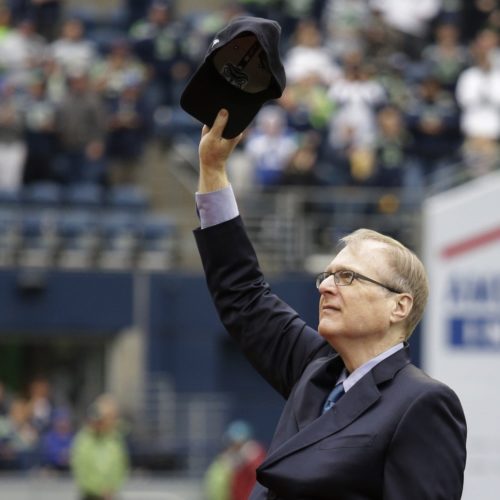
pixel 327 330
pixel 324 330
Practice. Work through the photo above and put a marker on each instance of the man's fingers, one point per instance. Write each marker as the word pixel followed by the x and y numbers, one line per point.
pixel 220 122
pixel 237 139
pixel 217 127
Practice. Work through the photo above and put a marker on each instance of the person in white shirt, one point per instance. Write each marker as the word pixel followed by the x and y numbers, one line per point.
pixel 72 51
pixel 479 101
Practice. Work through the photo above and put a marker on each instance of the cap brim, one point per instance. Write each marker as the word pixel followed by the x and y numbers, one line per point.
pixel 207 92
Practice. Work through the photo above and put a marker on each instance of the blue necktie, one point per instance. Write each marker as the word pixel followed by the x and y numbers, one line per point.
pixel 334 396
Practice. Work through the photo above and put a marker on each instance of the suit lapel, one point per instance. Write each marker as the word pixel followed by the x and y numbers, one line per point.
pixel 310 397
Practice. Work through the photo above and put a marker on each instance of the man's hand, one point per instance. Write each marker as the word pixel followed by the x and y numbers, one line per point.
pixel 214 151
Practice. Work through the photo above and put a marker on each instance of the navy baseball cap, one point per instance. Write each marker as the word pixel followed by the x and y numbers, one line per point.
pixel 241 70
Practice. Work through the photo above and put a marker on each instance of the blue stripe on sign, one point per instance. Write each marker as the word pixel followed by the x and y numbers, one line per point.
pixel 475 332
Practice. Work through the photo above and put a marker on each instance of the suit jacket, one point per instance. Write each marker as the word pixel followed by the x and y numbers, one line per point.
pixel 397 434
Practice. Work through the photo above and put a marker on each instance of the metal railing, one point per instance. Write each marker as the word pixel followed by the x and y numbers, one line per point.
pixel 182 430
pixel 294 225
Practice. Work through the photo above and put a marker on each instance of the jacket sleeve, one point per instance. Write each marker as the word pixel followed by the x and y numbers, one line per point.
pixel 270 333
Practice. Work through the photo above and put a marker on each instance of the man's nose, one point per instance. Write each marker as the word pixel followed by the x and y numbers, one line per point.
pixel 328 284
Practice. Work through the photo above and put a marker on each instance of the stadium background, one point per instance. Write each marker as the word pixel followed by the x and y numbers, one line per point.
pixel 100 285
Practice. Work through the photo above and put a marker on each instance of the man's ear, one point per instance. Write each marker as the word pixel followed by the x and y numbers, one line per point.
pixel 403 305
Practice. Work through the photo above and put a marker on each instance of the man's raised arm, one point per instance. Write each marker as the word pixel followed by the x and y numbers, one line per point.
pixel 214 151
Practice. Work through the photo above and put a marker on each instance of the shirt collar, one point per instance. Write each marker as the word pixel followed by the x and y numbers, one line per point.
pixel 350 379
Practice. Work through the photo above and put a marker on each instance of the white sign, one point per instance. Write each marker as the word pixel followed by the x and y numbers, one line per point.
pixel 461 341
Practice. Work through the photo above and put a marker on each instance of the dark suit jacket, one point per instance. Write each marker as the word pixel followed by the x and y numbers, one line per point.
pixel 397 434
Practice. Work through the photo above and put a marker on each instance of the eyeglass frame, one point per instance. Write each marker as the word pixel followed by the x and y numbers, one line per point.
pixel 354 275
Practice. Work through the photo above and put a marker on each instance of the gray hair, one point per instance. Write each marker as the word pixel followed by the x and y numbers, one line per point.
pixel 409 272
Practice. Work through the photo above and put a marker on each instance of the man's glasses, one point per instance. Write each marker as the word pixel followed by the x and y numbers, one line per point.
pixel 346 277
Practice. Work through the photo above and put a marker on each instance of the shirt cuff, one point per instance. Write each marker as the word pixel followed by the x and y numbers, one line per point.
pixel 216 207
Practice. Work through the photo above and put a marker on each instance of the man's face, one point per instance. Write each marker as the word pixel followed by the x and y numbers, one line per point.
pixel 359 311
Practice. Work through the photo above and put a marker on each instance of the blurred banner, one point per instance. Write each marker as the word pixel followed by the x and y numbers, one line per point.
pixel 461 341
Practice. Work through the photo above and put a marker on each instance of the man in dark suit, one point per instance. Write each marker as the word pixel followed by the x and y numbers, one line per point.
pixel 360 421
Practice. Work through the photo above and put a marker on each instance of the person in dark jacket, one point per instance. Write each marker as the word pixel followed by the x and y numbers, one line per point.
pixel 360 421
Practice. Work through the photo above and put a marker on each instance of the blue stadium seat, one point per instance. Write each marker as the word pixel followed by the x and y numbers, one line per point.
pixel 78 239
pixel 84 195
pixel 119 240
pixel 155 227
pixel 72 224
pixel 157 242
pixel 130 198
pixel 42 194
pixel 38 238
pixel 10 198
pixel 9 236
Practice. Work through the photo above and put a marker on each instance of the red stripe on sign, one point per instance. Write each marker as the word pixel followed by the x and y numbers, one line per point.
pixel 470 244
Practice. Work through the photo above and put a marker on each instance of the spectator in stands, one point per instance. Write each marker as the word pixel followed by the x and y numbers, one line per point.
pixel 72 51
pixel 307 56
pixel 134 11
pixel 120 78
pixel 488 40
pixel 5 22
pixel 382 46
pixel 20 49
pixel 307 105
pixel 40 404
pixel 410 20
pixel 12 144
pixel 114 73
pixel 432 118
pixel 231 476
pixel 128 121
pixel 99 457
pixel 19 438
pixel 303 168
pixel 4 426
pixel 54 76
pixel 39 119
pixel 269 146
pixel 310 71
pixel 392 166
pixel 446 57
pixel 393 76
pixel 81 124
pixel 261 8
pixel 4 400
pixel 475 15
pixel 479 100
pixel 291 13
pixel 47 16
pixel 391 148
pixel 56 443
pixel 494 19
pixel 343 21
pixel 356 96
pixel 161 43
pixel 357 87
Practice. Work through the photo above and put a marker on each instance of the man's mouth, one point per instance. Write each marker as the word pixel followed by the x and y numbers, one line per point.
pixel 330 308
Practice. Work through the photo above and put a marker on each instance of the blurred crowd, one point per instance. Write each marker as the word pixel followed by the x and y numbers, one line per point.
pixel 34 430
pixel 231 475
pixel 39 434
pixel 380 93
pixel 388 93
